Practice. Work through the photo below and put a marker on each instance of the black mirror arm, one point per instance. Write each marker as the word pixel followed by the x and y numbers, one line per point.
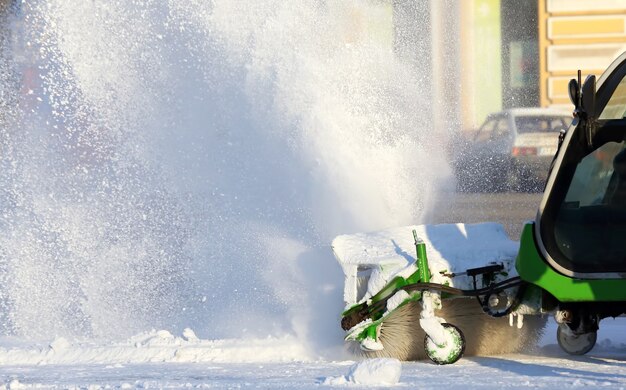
pixel 590 131
pixel 575 93
pixel 588 100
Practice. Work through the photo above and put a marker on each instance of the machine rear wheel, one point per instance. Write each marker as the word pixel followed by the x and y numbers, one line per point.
pixel 575 344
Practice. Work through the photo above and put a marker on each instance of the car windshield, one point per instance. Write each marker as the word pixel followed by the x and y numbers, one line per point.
pixel 540 124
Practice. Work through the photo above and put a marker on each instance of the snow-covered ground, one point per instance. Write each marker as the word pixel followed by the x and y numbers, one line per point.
pixel 161 360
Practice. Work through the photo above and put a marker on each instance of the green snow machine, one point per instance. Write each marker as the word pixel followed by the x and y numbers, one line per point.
pixel 422 291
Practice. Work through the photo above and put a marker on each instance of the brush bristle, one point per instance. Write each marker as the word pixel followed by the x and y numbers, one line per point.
pixel 403 338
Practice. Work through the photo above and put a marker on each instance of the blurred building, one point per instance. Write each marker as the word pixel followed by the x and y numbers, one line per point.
pixel 487 55
pixel 481 55
pixel 499 57
pixel 577 34
pixel 427 35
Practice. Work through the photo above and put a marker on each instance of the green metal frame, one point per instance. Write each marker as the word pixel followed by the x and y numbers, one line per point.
pixel 370 329
pixel 533 268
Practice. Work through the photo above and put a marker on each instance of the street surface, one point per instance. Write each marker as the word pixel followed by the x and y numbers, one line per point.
pixel 509 209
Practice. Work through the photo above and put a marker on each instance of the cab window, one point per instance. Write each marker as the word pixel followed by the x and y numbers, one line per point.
pixel 583 222
pixel 590 225
pixel 616 106
pixel 593 175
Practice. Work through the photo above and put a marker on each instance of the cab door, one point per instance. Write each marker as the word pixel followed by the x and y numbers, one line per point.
pixel 581 224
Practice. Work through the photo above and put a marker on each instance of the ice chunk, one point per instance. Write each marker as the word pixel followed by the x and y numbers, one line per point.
pixel 370 372
pixel 190 335
pixel 383 371
pixel 59 344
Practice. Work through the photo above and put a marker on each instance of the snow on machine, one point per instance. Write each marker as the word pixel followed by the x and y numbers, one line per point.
pixel 440 291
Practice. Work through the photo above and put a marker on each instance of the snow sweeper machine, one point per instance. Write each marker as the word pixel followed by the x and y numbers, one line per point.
pixel 439 291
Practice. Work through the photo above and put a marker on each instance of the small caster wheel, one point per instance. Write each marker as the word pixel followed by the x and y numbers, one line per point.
pixel 575 344
pixel 449 352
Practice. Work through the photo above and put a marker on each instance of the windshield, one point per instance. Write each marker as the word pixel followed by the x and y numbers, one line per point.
pixel 584 223
pixel 540 124
pixel 616 106
pixel 590 227
pixel 595 177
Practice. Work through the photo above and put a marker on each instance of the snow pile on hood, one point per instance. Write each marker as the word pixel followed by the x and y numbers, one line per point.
pixel 371 372
pixel 156 346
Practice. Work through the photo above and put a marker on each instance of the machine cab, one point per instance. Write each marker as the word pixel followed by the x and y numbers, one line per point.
pixel 581 224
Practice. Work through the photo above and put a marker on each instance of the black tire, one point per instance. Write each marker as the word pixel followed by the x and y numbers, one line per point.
pixel 454 354
pixel 575 344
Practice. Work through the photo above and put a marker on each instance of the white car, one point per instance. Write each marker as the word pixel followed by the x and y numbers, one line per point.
pixel 512 150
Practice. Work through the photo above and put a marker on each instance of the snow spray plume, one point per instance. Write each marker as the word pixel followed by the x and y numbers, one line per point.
pixel 190 162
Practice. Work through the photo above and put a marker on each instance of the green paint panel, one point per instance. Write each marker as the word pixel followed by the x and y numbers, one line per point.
pixel 534 269
pixel 488 58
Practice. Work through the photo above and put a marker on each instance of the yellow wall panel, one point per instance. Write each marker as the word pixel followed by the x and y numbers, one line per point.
pixel 557 87
pixel 573 57
pixel 585 6
pixel 542 17
pixel 586 27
